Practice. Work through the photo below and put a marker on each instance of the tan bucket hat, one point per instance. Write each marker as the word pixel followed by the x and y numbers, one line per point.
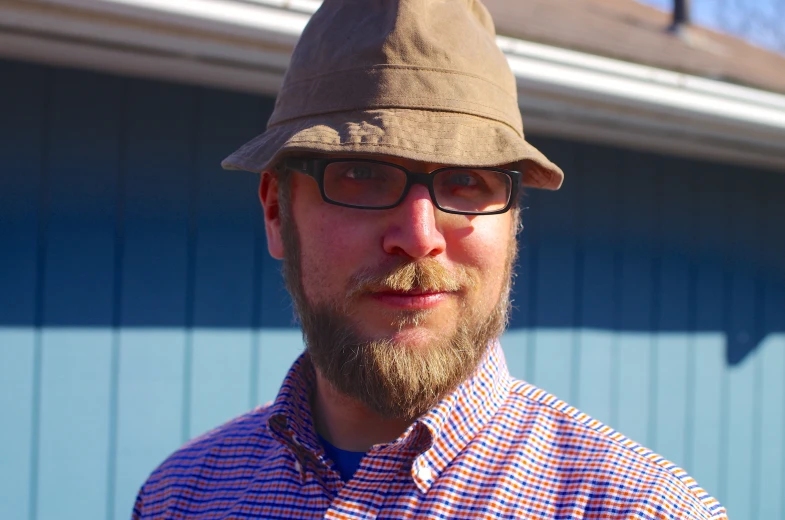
pixel 416 79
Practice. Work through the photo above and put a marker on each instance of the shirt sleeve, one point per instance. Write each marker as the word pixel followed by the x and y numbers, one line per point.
pixel 138 505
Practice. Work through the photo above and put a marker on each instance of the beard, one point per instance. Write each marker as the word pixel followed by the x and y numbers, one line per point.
pixel 394 379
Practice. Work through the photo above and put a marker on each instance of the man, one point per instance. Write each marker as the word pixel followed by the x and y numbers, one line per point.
pixel 391 168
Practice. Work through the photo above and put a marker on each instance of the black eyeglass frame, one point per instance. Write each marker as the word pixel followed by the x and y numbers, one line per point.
pixel 316 167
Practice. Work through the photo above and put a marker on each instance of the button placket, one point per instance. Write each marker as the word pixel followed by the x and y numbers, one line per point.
pixel 422 474
pixel 369 489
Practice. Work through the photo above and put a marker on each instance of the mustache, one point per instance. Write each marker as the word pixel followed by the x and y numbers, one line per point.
pixel 427 275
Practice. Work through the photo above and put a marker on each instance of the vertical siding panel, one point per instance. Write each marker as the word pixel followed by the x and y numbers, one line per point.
pixel 154 310
pixel 531 287
pixel 24 99
pixel 225 262
pixel 770 438
pixel 279 349
pixel 280 340
pixel 741 319
pixel 516 349
pixel 554 217
pixel 673 311
pixel 17 360
pixel 518 335
pixel 79 294
pixel 769 495
pixel 117 288
pixel 597 297
pixel 523 320
pixel 708 344
pixel 739 449
pixel 257 282
pixel 641 176
pixel 220 377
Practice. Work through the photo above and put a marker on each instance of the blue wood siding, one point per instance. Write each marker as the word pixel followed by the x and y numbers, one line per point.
pixel 139 306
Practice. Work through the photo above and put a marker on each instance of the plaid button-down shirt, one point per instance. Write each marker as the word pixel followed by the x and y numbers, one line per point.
pixel 495 448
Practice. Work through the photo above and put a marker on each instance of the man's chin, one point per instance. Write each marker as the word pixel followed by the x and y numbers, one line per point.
pixel 388 322
pixel 409 331
pixel 411 338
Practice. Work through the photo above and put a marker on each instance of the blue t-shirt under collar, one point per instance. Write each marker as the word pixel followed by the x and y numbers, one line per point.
pixel 346 462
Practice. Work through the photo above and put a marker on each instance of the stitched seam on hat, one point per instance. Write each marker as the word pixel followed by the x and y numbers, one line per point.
pixel 328 111
pixel 430 108
pixel 446 117
pixel 431 99
pixel 455 115
pixel 458 124
pixel 401 67
pixel 455 128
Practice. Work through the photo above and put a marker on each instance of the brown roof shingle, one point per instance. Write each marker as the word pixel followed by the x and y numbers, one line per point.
pixel 630 31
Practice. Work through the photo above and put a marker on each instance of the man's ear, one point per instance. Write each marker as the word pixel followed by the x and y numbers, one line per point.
pixel 268 196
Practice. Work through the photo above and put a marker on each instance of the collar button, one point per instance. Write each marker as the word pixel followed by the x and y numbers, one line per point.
pixel 425 474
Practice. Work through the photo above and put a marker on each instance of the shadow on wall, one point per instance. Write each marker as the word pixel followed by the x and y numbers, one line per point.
pixel 162 284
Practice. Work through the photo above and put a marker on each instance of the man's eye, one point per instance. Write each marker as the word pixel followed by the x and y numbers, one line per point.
pixel 463 180
pixel 360 173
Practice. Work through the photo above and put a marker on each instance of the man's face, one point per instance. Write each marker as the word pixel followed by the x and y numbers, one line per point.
pixel 397 305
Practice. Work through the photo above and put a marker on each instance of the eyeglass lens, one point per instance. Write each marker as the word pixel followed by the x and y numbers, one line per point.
pixel 372 185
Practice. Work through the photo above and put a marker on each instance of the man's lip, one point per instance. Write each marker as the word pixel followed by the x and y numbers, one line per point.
pixel 411 299
pixel 413 292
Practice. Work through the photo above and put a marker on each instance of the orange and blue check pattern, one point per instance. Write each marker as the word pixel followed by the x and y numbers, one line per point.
pixel 495 448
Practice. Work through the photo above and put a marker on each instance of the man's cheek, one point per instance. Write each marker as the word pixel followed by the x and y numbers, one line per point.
pixel 322 276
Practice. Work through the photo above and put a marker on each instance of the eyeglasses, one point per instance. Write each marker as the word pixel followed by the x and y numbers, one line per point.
pixel 369 184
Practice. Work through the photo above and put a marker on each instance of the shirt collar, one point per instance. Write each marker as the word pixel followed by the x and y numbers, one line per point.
pixel 459 417
pixel 439 435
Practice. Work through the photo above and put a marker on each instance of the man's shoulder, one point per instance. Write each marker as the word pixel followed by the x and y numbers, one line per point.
pixel 573 443
pixel 240 442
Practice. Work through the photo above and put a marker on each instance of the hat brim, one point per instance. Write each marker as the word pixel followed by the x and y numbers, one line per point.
pixel 439 137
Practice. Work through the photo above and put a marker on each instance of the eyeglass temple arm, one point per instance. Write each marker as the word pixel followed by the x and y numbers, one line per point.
pixel 299 165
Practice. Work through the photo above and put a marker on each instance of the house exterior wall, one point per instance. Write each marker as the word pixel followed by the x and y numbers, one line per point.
pixel 139 306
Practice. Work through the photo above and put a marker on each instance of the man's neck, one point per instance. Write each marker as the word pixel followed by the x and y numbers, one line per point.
pixel 348 424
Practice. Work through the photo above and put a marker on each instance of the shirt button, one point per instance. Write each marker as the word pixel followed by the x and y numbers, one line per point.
pixel 425 473
pixel 298 467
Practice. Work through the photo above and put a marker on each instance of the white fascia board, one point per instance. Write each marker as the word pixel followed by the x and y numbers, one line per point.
pixel 246 44
pixel 112 39
pixel 194 72
pixel 263 20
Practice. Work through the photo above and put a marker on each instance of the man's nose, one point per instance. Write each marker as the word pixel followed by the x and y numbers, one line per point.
pixel 413 229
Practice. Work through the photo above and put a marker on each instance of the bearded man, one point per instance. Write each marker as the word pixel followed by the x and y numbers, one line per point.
pixel 391 170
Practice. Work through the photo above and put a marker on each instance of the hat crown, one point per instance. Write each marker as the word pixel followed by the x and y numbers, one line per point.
pixel 417 54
